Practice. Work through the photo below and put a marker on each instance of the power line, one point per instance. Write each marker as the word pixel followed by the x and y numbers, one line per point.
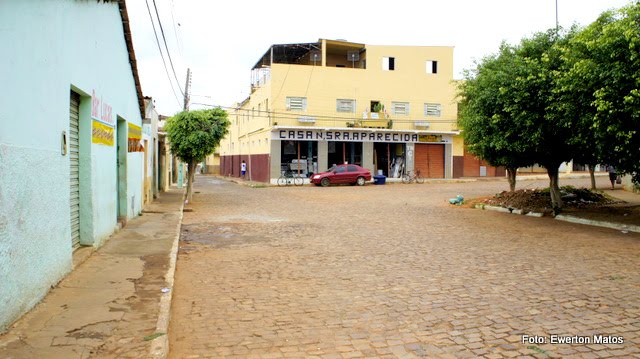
pixel 292 116
pixel 166 46
pixel 175 29
pixel 161 55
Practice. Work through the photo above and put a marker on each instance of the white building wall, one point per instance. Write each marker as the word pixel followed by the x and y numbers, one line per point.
pixel 49 48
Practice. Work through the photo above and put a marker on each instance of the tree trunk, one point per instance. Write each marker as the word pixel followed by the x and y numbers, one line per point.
pixel 511 176
pixel 592 174
pixel 192 173
pixel 554 189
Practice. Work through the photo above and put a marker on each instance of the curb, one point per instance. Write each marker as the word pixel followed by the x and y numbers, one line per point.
pixel 618 226
pixel 160 345
pixel 509 210
pixel 563 217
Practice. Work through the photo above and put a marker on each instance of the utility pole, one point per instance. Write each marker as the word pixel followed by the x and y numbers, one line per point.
pixel 187 86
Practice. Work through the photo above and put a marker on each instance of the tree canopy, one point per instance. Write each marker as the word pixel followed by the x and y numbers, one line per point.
pixel 489 129
pixel 193 135
pixel 611 61
pixel 558 96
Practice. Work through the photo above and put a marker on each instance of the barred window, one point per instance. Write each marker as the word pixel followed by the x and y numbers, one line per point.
pixel 296 103
pixel 400 108
pixel 432 109
pixel 345 105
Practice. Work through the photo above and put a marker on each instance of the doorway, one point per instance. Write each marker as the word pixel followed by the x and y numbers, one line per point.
pixel 344 152
pixel 121 162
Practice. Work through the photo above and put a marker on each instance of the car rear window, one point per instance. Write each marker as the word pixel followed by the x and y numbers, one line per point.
pixel 352 169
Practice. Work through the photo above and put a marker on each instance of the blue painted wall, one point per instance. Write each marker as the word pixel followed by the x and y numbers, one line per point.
pixel 48 49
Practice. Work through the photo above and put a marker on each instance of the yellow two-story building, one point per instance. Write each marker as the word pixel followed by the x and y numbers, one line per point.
pixel 390 109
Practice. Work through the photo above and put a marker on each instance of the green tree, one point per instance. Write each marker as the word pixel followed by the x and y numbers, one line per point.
pixel 508 118
pixel 534 104
pixel 490 130
pixel 574 99
pixel 611 61
pixel 194 135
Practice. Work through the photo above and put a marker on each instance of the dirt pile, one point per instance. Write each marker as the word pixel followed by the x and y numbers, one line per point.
pixel 579 202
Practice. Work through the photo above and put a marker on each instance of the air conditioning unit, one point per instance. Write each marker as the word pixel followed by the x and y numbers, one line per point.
pixel 423 124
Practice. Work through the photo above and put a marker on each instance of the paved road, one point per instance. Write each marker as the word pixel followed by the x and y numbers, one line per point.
pixel 395 271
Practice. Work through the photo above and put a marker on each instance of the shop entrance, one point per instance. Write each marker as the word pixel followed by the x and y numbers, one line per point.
pixel 389 158
pixel 430 160
pixel 344 152
pixel 299 157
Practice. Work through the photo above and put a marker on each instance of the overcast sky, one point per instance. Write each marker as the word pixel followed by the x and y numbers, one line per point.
pixel 220 41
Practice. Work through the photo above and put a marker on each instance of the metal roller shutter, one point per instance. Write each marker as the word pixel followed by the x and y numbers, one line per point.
pixel 74 159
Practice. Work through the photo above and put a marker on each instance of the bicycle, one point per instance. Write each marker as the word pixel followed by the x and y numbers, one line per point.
pixel 288 178
pixel 410 177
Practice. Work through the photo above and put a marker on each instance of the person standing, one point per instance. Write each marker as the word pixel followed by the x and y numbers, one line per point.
pixel 243 169
pixel 612 175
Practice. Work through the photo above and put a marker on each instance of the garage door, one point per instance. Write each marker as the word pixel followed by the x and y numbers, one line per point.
pixel 429 160
pixel 74 177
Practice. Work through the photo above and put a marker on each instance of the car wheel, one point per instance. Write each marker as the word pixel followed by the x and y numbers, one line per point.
pixel 360 181
pixel 325 182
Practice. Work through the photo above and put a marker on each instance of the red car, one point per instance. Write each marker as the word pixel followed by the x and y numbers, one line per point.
pixel 351 174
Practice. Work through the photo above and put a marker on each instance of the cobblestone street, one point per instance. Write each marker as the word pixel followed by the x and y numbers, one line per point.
pixel 395 271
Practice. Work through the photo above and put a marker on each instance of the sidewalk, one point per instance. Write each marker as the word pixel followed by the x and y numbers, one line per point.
pixel 112 304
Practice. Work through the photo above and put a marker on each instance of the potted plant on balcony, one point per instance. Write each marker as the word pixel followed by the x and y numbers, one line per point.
pixel 378 110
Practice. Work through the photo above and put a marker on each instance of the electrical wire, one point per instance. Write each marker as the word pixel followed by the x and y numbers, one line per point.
pixel 175 29
pixel 289 115
pixel 161 55
pixel 164 39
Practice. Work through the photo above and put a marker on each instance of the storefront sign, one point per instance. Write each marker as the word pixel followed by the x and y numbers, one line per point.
pixel 337 135
pixel 101 111
pixel 352 136
pixel 430 138
pixel 101 134
pixel 134 138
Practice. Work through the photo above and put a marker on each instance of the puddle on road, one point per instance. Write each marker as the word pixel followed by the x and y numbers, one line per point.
pixel 249 218
pixel 215 181
pixel 193 236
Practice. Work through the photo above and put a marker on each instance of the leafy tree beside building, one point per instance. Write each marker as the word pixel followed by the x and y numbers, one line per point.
pixel 194 135
pixel 559 96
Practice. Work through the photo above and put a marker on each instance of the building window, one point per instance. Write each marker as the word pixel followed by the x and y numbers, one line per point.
pixel 432 67
pixel 345 105
pixel 388 63
pixel 432 109
pixel 400 108
pixel 296 103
